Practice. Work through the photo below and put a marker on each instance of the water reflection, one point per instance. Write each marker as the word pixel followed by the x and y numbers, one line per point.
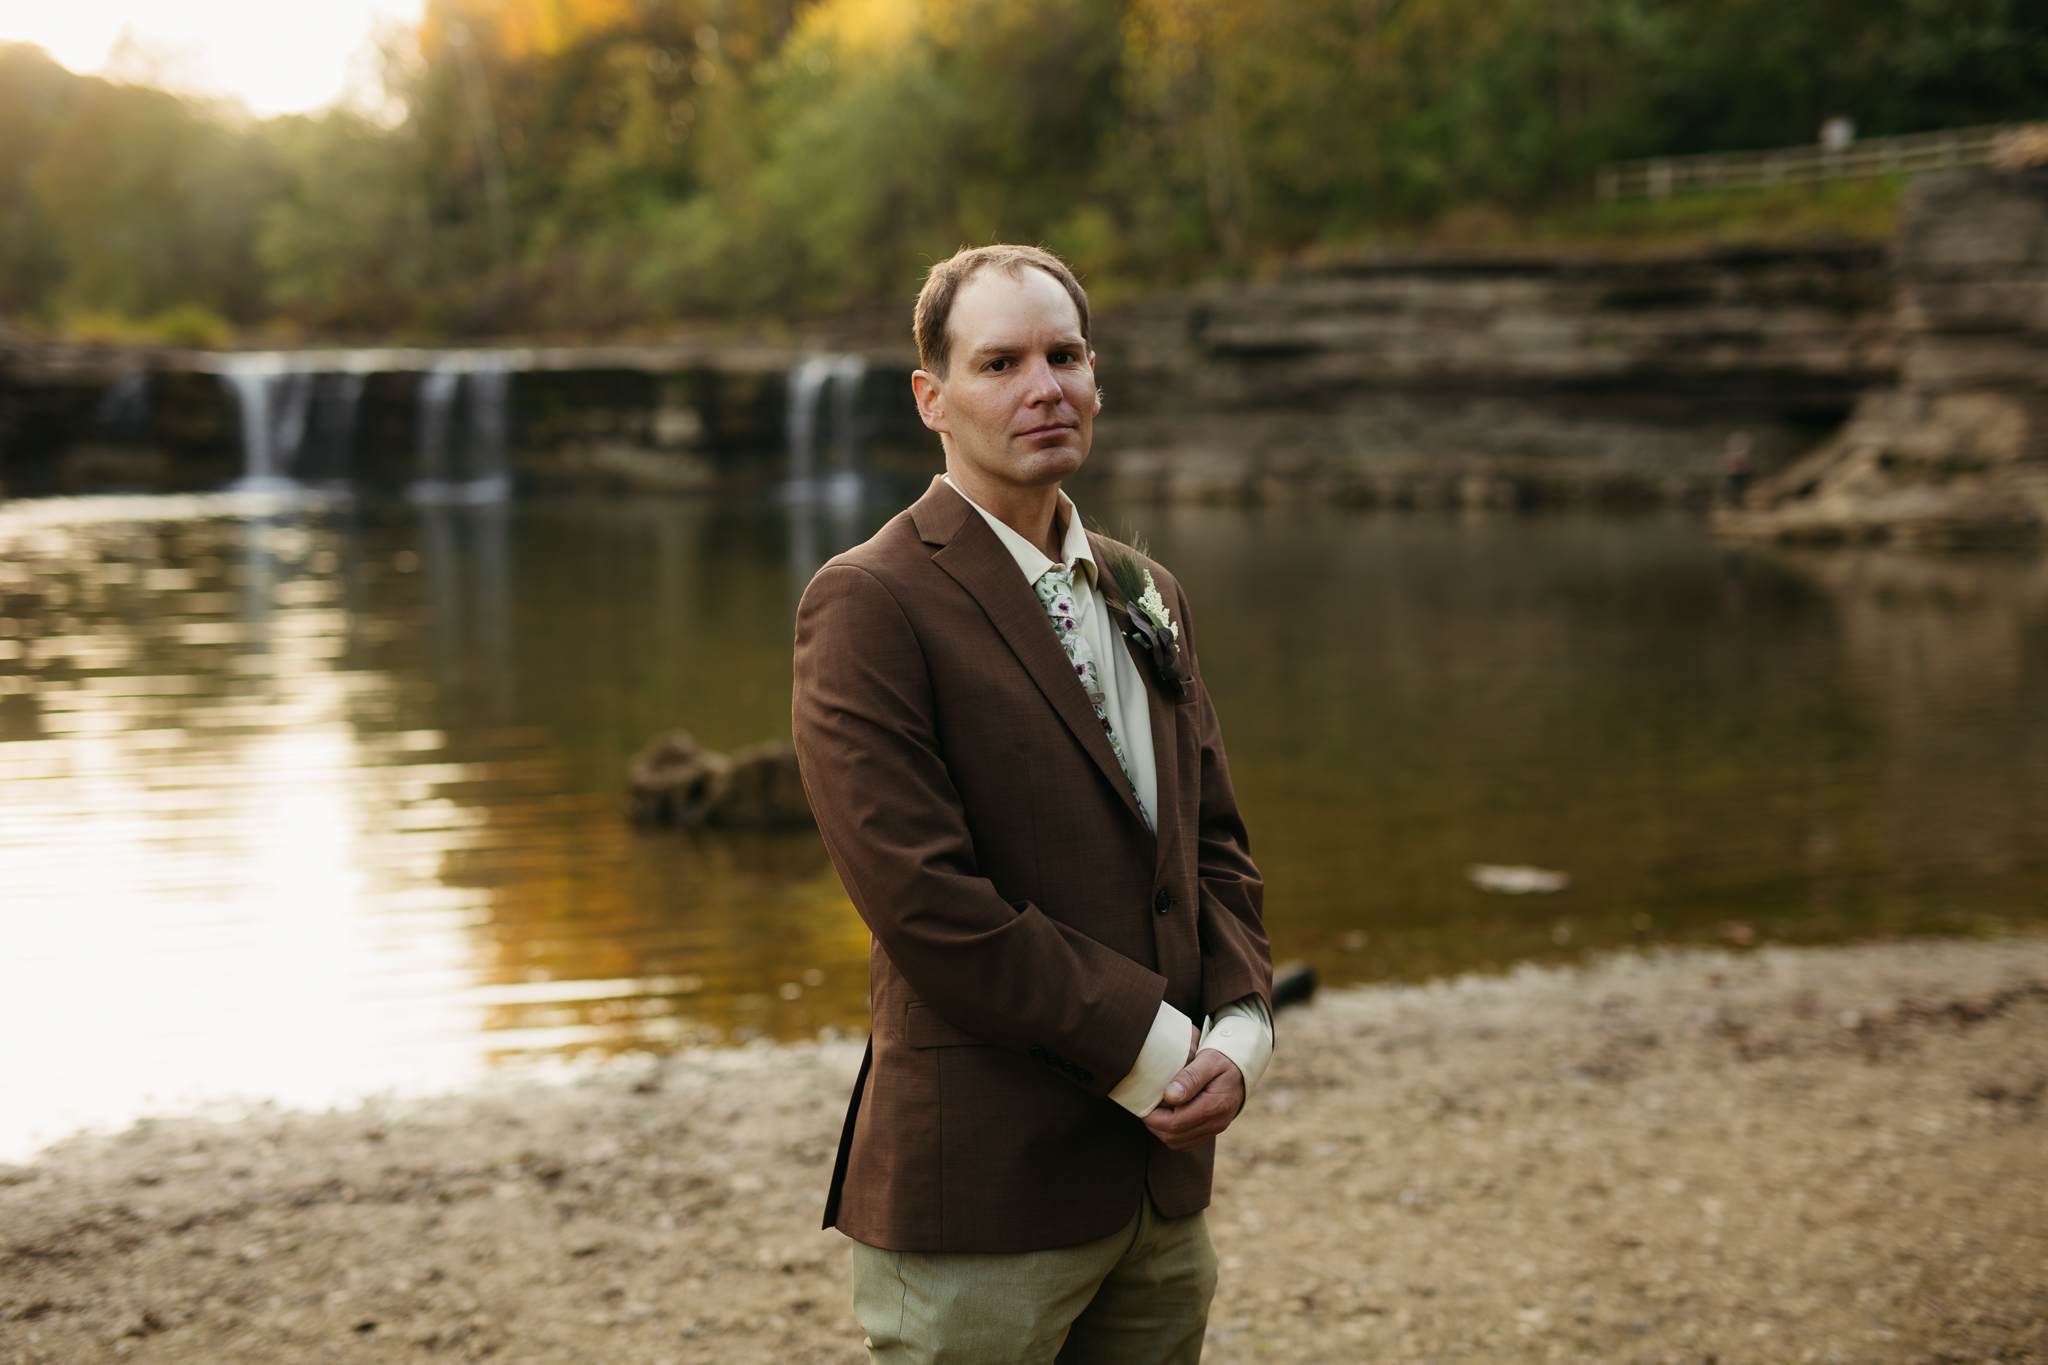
pixel 311 800
pixel 1947 653
pixel 1716 747
pixel 275 824
pixel 821 527
pixel 193 822
pixel 466 551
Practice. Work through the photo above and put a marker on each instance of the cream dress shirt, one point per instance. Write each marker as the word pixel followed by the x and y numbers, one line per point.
pixel 1242 1030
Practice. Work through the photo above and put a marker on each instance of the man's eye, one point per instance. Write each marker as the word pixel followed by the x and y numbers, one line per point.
pixel 1002 364
pixel 1062 357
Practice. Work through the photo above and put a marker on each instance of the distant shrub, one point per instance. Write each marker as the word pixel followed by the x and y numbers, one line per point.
pixel 190 324
pixel 186 324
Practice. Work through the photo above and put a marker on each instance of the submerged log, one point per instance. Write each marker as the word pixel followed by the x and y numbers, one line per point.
pixel 676 781
pixel 670 782
pixel 761 789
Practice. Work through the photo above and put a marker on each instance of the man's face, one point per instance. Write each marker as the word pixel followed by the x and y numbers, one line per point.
pixel 1018 402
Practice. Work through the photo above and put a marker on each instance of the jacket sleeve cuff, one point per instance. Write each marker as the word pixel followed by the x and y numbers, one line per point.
pixel 1242 1031
pixel 1164 1054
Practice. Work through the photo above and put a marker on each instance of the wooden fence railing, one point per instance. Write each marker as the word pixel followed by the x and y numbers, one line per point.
pixel 1660 176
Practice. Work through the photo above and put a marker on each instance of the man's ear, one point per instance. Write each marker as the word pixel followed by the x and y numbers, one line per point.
pixel 1091 377
pixel 931 402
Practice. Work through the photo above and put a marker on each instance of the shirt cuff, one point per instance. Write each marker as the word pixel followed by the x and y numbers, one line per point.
pixel 1159 1061
pixel 1242 1031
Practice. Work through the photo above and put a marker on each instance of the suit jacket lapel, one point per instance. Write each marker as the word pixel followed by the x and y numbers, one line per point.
pixel 1166 760
pixel 1165 717
pixel 970 553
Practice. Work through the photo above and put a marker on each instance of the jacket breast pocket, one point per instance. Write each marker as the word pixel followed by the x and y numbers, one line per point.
pixel 924 1026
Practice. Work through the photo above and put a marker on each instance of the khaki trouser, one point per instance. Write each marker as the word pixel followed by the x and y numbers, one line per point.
pixel 1137 1297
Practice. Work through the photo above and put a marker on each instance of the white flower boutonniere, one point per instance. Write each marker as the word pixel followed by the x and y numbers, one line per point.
pixel 1150 625
pixel 1155 607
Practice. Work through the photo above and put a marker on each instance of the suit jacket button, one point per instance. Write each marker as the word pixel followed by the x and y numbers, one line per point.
pixel 1039 1054
pixel 1163 902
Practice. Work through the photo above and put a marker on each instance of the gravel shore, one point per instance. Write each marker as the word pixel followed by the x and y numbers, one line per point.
pixel 1799 1155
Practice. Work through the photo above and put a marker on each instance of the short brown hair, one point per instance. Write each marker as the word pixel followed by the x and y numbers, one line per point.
pixel 943 285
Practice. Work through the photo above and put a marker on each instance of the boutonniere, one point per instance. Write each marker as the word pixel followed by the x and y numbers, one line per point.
pixel 1146 619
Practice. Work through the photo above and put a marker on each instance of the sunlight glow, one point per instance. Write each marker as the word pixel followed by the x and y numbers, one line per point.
pixel 273 58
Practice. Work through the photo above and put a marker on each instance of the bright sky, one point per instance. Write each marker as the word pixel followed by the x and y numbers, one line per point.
pixel 276 56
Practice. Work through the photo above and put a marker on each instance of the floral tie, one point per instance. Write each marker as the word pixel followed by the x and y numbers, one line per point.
pixel 1055 589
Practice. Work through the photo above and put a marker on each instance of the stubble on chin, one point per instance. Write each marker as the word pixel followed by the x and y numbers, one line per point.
pixel 1052 464
pixel 1042 469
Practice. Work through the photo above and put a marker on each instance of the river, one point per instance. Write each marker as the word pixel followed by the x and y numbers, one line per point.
pixel 304 801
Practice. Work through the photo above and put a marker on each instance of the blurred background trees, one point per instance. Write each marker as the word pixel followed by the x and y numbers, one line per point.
pixel 601 166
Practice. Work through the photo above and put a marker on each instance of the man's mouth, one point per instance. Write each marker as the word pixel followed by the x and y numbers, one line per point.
pixel 1049 429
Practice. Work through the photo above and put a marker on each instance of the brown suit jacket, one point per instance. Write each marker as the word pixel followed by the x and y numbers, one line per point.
pixel 1026 922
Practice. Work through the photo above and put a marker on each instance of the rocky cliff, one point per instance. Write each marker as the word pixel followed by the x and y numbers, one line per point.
pixel 1496 382
pixel 1956 451
pixel 1491 381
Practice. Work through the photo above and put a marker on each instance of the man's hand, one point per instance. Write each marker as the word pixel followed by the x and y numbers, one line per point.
pixel 1200 1101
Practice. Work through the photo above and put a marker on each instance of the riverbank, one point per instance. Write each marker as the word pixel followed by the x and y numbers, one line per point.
pixel 1824 1154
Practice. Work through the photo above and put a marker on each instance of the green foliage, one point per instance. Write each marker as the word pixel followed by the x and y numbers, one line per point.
pixel 1862 210
pixel 122 199
pixel 187 324
pixel 605 165
pixel 347 242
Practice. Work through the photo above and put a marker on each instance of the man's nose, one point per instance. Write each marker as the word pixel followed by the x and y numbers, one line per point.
pixel 1041 381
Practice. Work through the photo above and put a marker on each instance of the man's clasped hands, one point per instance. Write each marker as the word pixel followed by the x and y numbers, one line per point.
pixel 1200 1101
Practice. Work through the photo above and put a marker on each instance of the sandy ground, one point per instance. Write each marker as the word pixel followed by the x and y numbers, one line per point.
pixel 1792 1155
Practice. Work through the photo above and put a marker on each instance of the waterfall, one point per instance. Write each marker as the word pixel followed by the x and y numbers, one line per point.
pixel 807 384
pixel 248 378
pixel 291 412
pixel 810 375
pixel 300 409
pixel 298 415
pixel 435 415
pixel 464 428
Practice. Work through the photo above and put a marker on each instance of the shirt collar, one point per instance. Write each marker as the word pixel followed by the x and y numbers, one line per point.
pixel 1029 557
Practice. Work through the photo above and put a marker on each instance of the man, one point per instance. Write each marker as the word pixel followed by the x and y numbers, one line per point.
pixel 1034 816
